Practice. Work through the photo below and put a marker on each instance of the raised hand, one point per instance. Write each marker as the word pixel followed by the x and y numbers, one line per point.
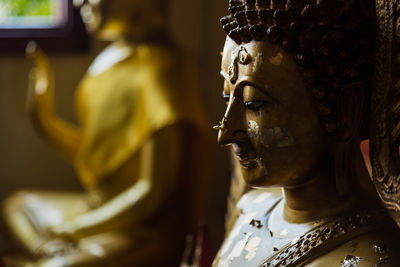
pixel 41 82
pixel 62 135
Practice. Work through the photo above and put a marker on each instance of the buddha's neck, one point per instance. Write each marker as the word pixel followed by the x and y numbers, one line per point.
pixel 315 199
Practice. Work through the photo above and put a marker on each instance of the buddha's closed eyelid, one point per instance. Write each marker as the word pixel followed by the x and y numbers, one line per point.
pixel 254 105
pixel 253 97
pixel 254 91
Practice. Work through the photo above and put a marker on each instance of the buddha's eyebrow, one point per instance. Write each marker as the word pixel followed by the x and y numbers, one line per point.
pixel 252 80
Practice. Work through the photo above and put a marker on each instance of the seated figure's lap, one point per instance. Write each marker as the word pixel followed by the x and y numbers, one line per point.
pixel 28 213
pixel 52 205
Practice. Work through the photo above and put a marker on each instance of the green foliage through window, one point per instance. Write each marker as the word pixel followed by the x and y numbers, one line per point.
pixel 21 13
pixel 26 7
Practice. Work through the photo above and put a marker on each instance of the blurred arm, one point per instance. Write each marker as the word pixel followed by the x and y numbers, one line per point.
pixel 63 136
pixel 160 163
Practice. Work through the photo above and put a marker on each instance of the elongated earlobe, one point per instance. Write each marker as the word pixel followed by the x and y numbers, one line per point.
pixel 351 113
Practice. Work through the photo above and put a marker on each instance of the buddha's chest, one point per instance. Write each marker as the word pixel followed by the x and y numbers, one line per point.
pixel 255 241
pixel 252 239
pixel 108 103
pixel 249 245
pixel 259 233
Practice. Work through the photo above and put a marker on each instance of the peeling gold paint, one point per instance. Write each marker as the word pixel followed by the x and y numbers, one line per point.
pixel 261 198
pixel 249 217
pixel 253 129
pixel 232 236
pixel 284 232
pixel 252 248
pixel 239 247
pixel 277 137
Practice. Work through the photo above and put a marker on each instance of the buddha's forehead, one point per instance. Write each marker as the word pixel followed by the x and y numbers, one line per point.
pixel 264 59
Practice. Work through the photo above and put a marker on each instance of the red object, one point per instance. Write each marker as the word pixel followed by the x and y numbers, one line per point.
pixel 206 254
pixel 198 251
pixel 365 151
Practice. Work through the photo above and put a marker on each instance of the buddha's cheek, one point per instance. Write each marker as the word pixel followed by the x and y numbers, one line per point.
pixel 253 130
pixel 266 139
pixel 274 147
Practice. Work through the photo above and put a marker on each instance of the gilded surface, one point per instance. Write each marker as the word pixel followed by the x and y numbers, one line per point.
pixel 135 152
pixel 299 93
pixel 162 103
pixel 385 129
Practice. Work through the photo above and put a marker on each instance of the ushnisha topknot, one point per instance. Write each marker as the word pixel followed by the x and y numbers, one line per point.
pixel 332 41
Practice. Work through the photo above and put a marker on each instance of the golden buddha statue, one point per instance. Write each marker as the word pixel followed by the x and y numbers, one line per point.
pixel 136 150
pixel 306 81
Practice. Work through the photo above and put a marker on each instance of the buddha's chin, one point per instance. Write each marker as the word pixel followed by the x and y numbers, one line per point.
pixel 256 176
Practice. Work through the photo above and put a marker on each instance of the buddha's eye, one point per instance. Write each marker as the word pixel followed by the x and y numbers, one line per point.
pixel 254 105
pixel 226 96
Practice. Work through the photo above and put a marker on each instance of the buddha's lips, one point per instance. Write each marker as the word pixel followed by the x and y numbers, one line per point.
pixel 242 152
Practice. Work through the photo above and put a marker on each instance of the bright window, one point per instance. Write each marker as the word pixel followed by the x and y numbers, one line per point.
pixel 55 24
pixel 28 14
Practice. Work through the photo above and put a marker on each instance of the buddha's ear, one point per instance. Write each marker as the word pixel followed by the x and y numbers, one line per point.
pixel 351 111
pixel 350 116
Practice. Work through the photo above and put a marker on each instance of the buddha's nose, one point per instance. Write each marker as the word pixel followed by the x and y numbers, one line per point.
pixel 231 126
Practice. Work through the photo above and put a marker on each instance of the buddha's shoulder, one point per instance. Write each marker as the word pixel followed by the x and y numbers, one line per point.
pixel 258 200
pixel 379 247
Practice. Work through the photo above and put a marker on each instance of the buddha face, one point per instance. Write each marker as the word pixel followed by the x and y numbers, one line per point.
pixel 112 19
pixel 91 13
pixel 109 15
pixel 270 120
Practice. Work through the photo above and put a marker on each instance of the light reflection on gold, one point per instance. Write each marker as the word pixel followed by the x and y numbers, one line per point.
pixel 135 151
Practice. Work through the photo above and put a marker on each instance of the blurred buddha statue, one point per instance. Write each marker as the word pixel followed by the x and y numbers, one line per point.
pixel 136 150
pixel 306 81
